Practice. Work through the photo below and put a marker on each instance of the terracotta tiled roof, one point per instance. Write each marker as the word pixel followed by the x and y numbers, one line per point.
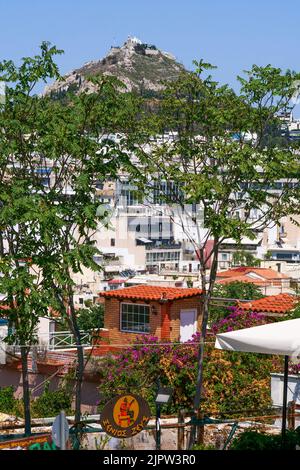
pixel 259 282
pixel 4 307
pixel 281 303
pixel 265 273
pixel 151 293
pixel 116 281
pixel 51 311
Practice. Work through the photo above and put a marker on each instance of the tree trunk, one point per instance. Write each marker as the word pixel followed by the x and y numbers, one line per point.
pixel 79 376
pixel 80 360
pixel 206 295
pixel 197 398
pixel 72 322
pixel 199 382
pixel 26 392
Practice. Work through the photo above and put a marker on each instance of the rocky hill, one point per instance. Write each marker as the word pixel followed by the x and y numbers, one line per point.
pixel 141 67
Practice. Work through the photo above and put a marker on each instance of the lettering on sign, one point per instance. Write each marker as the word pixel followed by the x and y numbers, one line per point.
pixel 41 442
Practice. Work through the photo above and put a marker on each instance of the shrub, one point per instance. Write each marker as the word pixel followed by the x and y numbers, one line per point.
pixel 238 319
pixel 51 403
pixel 135 369
pixel 253 440
pixel 232 380
pixel 232 290
pixel 7 400
pixel 91 317
pixel 203 447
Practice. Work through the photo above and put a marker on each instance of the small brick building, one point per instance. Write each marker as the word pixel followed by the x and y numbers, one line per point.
pixel 165 312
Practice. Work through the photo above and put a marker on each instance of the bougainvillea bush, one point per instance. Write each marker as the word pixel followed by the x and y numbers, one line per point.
pixel 232 381
pixel 238 319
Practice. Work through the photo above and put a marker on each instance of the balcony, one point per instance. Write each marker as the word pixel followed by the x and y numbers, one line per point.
pixel 136 210
pixel 112 262
pixel 173 246
pixel 65 340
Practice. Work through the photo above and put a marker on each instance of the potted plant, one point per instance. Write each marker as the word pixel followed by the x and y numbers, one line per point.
pixel 14 362
pixel 48 366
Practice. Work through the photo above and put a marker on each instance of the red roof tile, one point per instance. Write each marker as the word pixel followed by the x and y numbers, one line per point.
pixel 281 303
pixel 116 281
pixel 51 311
pixel 151 293
pixel 4 307
pixel 259 282
pixel 265 273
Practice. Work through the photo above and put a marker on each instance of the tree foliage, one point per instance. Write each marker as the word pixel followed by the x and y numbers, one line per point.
pixel 222 167
pixel 244 258
pixel 235 290
pixel 91 317
pixel 52 154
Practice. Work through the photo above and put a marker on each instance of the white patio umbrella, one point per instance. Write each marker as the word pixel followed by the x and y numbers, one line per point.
pixel 281 338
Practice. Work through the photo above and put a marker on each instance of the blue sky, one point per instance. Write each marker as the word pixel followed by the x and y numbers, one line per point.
pixel 232 34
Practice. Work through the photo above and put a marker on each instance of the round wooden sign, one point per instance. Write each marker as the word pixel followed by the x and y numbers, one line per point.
pixel 125 415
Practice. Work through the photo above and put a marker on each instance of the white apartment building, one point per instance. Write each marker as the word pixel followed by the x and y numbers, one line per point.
pixel 148 236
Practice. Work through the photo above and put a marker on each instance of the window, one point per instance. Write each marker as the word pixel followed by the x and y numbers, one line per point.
pixel 112 242
pixel 284 256
pixel 135 317
pixel 81 300
pixel 163 256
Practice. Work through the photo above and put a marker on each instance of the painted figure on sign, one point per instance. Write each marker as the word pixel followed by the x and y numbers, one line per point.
pixel 126 415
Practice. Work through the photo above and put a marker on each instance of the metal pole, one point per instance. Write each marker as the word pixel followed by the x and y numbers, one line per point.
pixel 291 415
pixel 284 404
pixel 180 432
pixel 200 427
pixel 158 430
pixel 62 431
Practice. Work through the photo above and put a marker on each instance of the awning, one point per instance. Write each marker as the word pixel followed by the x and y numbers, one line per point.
pixel 136 280
pixel 144 240
pixel 275 338
pixel 281 338
pixel 244 241
pixel 116 281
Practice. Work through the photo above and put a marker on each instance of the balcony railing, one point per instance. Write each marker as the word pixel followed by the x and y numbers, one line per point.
pixel 173 246
pixel 65 340
pixel 59 340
